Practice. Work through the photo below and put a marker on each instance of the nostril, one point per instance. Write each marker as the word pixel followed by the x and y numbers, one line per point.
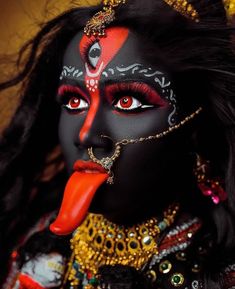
pixel 109 142
pixel 96 142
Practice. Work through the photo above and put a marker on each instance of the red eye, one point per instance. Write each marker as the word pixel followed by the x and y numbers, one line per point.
pixel 76 103
pixel 126 102
pixel 129 103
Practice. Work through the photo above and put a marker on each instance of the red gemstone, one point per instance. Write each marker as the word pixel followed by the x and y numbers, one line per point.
pixel 89 275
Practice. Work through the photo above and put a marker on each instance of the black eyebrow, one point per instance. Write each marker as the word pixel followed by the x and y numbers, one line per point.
pixel 124 79
pixel 71 81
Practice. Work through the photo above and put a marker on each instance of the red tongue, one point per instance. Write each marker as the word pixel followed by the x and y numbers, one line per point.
pixel 78 195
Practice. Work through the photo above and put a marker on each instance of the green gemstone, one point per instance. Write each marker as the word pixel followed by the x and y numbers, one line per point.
pixel 93 281
pixel 79 275
pixel 162 225
pixel 164 266
pixel 176 279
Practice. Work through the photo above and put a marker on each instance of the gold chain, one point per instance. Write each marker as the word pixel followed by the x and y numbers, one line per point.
pixel 107 162
pixel 161 134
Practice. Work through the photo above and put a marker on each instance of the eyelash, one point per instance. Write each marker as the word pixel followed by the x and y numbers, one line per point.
pixel 86 48
pixel 139 91
pixel 143 96
pixel 67 94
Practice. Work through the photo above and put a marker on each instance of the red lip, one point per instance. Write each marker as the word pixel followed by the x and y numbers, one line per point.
pixel 88 167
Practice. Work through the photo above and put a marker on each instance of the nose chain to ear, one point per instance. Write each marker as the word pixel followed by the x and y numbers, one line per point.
pixel 108 162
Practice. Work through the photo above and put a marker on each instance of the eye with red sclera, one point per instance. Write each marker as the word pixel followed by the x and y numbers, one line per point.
pixel 76 103
pixel 129 103
pixel 72 98
pixel 133 97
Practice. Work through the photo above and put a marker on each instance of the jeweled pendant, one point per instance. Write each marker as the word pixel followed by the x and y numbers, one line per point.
pixel 96 25
pixel 106 163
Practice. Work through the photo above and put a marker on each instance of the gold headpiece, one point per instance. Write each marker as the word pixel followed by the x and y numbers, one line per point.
pixel 184 8
pixel 230 7
pixel 96 25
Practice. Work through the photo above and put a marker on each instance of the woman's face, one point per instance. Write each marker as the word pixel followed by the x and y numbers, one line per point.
pixel 108 89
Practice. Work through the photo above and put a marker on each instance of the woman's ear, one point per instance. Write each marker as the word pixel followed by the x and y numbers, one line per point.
pixel 208 140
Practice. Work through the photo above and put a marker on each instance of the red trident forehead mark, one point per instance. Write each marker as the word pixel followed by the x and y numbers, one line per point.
pixel 109 45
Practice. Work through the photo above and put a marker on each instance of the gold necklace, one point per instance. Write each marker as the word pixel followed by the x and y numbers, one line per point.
pixel 99 242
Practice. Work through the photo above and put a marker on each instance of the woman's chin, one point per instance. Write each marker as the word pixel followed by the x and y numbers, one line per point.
pixel 123 215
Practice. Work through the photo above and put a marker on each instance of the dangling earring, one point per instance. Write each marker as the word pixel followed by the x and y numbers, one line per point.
pixel 210 187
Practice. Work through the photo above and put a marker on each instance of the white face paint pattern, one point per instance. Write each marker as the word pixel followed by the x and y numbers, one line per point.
pixel 136 68
pixel 158 78
pixel 46 269
pixel 70 71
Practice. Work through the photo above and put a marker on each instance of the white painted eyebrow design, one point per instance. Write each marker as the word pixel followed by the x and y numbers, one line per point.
pixel 138 68
pixel 70 71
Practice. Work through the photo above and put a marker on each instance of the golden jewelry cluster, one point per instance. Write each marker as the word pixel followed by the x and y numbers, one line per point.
pixel 184 8
pixel 106 162
pixel 230 7
pixel 97 24
pixel 99 242
pixel 113 3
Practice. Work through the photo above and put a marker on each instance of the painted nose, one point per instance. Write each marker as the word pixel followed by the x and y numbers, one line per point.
pixel 97 136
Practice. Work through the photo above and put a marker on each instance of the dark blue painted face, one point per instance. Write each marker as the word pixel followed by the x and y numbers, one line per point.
pixel 108 88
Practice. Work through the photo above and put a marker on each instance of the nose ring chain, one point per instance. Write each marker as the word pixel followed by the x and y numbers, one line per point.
pixel 108 162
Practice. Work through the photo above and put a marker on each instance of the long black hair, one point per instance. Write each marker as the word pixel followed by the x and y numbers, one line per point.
pixel 200 58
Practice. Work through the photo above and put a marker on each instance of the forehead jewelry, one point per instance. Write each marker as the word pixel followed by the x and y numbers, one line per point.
pixel 97 24
pixel 108 162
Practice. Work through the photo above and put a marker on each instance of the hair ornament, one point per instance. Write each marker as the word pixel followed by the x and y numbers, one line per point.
pixel 230 7
pixel 184 8
pixel 97 24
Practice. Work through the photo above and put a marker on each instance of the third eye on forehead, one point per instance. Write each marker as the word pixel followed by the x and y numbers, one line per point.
pixel 94 53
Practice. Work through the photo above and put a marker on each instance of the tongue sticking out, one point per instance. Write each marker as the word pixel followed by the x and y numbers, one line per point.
pixel 79 192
